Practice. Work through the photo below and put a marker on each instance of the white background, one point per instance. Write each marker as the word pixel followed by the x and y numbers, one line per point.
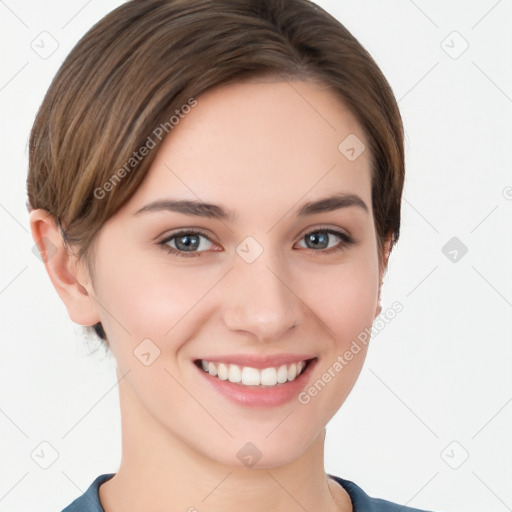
pixel 439 373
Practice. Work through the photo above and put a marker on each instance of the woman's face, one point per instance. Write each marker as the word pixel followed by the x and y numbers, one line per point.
pixel 262 280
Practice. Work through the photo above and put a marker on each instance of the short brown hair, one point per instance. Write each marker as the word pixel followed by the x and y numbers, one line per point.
pixel 143 61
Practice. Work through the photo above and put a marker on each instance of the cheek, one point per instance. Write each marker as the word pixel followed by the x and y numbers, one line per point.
pixel 146 297
pixel 347 308
pixel 149 299
pixel 345 297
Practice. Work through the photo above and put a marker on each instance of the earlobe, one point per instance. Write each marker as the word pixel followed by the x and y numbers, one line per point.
pixel 385 257
pixel 62 269
pixel 378 309
pixel 382 270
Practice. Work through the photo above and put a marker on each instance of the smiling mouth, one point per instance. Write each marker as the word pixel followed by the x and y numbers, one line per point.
pixel 272 376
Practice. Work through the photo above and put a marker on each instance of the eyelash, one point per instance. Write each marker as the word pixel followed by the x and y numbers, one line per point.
pixel 346 242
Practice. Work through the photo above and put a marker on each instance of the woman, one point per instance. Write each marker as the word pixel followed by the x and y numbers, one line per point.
pixel 215 188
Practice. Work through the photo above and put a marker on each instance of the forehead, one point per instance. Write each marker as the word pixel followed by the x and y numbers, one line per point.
pixel 260 144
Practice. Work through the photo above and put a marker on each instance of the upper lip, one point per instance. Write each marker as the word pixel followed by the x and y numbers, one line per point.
pixel 255 361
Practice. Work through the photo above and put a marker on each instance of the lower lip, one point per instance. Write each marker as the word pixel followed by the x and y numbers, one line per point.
pixel 255 396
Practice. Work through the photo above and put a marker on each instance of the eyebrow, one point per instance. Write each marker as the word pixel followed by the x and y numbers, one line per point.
pixel 213 211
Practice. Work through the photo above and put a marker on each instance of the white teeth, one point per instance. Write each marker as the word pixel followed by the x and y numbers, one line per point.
pixel 235 373
pixel 282 374
pixel 268 377
pixel 222 371
pixel 248 376
pixel 212 369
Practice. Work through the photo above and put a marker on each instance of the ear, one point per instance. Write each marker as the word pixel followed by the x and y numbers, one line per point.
pixel 382 270
pixel 72 283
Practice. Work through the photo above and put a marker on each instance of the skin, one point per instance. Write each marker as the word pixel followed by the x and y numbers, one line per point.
pixel 261 149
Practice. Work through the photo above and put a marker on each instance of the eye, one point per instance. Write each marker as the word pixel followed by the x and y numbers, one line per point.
pixel 322 238
pixel 191 243
pixel 184 242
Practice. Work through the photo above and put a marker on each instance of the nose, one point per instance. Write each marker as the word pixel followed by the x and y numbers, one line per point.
pixel 258 298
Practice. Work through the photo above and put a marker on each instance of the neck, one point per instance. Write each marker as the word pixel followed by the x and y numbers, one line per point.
pixel 159 471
